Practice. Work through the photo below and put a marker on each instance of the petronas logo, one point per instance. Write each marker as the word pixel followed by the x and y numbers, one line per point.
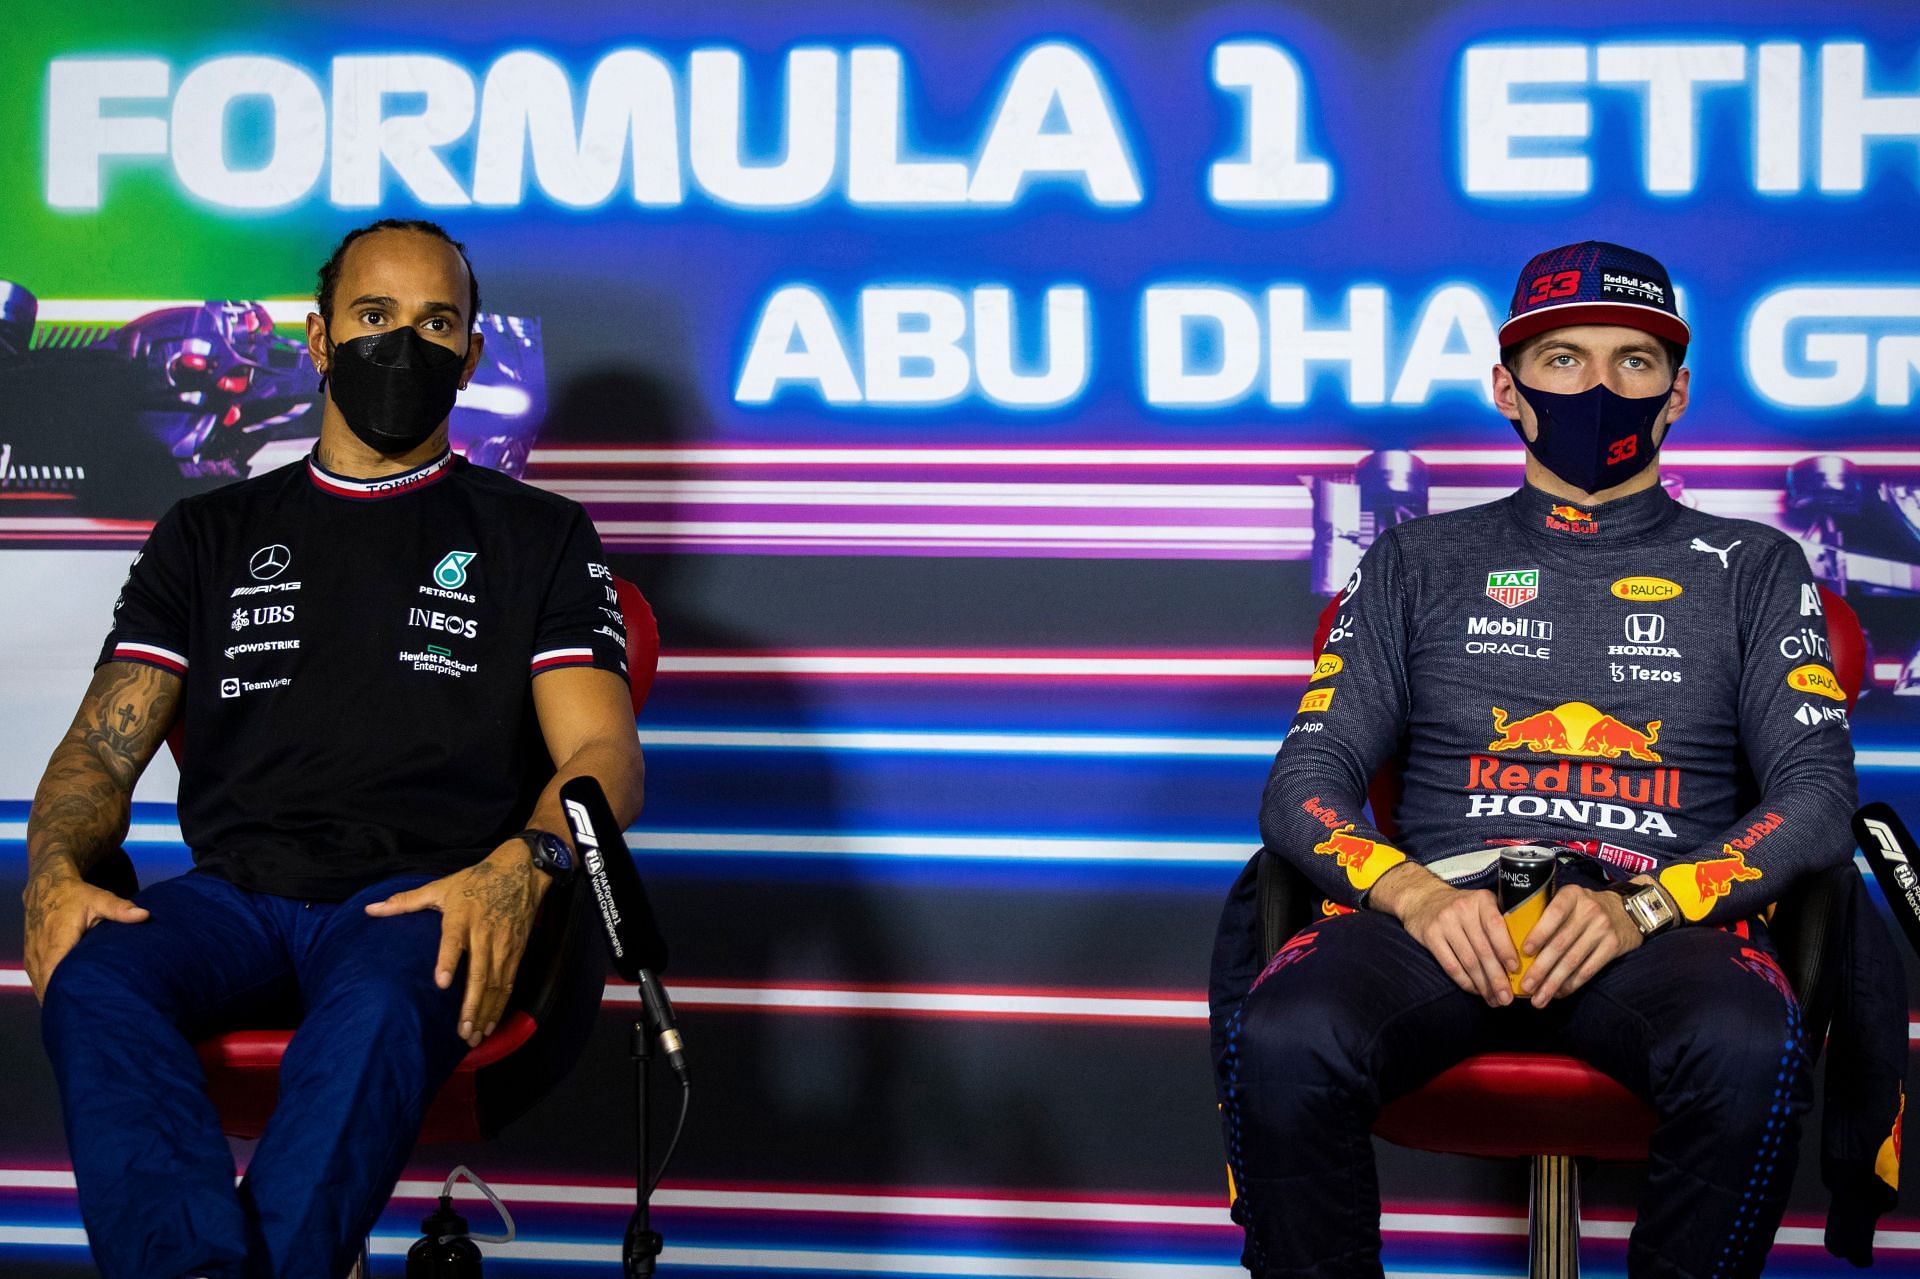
pixel 450 574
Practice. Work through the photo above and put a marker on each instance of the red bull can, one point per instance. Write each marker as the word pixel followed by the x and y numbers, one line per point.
pixel 1526 886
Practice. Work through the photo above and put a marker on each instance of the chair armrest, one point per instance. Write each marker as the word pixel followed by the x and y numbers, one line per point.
pixel 1285 901
pixel 558 987
pixel 1807 927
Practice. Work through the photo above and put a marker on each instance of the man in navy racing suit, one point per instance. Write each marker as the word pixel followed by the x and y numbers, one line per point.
pixel 1585 663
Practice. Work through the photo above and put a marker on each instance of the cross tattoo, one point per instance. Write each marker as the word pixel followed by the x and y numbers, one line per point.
pixel 127 716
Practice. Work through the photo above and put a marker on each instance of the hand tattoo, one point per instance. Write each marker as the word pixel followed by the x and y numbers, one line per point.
pixel 504 896
pixel 47 891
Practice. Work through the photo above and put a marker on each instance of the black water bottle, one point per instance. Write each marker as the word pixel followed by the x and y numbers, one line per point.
pixel 438 1256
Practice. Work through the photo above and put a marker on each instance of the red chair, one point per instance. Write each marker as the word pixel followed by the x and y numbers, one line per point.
pixel 556 996
pixel 1547 1107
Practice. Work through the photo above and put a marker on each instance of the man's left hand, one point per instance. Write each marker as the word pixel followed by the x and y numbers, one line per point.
pixel 486 912
pixel 1579 933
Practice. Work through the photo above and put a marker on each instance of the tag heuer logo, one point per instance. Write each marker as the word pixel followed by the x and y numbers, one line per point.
pixel 451 572
pixel 1513 587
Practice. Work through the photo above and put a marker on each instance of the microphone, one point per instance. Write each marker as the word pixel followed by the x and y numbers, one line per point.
pixel 1890 851
pixel 633 936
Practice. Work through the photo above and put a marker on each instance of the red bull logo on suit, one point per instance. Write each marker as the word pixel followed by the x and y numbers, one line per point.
pixel 1696 886
pixel 1363 859
pixel 1575 728
pixel 1575 794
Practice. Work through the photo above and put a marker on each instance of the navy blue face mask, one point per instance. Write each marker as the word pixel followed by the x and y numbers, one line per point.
pixel 1592 439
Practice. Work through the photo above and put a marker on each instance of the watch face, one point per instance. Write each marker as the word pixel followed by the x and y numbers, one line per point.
pixel 550 852
pixel 1649 909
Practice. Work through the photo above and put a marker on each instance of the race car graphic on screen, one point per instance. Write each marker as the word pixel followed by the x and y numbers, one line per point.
pixel 111 420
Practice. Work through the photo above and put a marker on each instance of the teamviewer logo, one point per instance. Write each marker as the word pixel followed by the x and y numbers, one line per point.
pixel 229 688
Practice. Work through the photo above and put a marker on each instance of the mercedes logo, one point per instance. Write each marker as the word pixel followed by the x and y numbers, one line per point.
pixel 269 562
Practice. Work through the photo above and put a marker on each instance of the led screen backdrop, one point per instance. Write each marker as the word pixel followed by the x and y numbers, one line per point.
pixel 986 396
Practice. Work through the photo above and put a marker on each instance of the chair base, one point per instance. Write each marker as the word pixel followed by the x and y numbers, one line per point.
pixel 1553 1219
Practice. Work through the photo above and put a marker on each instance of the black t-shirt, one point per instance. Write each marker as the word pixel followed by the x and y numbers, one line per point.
pixel 359 658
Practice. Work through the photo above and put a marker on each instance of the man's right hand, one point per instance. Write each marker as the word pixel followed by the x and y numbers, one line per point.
pixel 1462 928
pixel 61 907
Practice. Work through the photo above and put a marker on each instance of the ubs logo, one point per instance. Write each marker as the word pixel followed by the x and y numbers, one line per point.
pixel 269 562
pixel 1646 628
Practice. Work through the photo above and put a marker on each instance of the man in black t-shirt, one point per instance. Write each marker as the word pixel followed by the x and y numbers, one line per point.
pixel 384 662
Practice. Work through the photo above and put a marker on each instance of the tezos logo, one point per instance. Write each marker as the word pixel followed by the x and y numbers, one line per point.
pixel 269 562
pixel 450 574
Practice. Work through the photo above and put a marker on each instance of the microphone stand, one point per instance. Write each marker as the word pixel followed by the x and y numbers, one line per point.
pixel 642 1248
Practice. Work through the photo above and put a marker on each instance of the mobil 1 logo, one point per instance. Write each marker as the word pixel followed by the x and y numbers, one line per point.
pixel 1509 637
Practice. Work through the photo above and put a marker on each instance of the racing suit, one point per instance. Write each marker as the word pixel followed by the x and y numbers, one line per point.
pixel 1642 684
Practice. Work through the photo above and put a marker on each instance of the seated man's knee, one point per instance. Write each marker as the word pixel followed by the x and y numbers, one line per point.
pixel 86 985
pixel 1747 1042
pixel 393 1007
pixel 1299 1034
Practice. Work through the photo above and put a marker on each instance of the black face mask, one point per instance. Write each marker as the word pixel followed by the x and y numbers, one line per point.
pixel 1593 439
pixel 394 388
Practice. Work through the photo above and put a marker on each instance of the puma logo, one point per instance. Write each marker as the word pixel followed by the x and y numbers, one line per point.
pixel 1699 544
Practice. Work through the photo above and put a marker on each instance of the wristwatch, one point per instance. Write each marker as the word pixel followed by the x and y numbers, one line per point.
pixel 550 854
pixel 1646 906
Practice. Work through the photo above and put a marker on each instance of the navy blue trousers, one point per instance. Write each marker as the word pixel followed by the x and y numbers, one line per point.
pixel 1354 1012
pixel 376 1041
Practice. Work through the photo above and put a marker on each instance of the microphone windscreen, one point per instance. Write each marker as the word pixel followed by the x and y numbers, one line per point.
pixel 633 935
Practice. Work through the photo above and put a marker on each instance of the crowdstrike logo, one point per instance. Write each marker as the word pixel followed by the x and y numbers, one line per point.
pixel 261 646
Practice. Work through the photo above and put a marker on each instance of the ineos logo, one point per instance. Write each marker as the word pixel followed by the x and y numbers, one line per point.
pixel 269 562
pixel 1646 628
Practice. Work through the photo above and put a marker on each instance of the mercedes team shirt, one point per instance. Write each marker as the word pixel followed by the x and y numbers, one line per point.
pixel 1637 680
pixel 358 659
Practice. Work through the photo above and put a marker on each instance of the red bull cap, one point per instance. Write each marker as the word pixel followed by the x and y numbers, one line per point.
pixel 1594 282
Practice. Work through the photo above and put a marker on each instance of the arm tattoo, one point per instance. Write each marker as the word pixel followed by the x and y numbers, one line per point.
pixel 83 803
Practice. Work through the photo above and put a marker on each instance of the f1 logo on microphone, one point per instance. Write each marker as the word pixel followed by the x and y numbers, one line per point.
pixel 1890 849
pixel 583 837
